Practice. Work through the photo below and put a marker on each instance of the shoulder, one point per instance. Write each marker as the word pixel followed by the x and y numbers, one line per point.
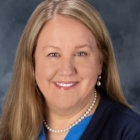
pixel 118 109
pixel 113 121
pixel 123 113
pixel 123 119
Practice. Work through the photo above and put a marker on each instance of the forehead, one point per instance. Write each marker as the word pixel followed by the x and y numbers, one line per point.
pixel 61 29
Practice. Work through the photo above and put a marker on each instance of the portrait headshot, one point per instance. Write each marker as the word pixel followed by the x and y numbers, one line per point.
pixel 69 70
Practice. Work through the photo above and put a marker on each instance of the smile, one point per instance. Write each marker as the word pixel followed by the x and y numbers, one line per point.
pixel 65 85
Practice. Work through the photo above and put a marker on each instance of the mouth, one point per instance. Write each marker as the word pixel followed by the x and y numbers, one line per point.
pixel 65 85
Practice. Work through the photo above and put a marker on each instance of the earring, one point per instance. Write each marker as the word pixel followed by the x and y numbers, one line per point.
pixel 98 81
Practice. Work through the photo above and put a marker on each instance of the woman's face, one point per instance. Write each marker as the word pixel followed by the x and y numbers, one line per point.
pixel 67 63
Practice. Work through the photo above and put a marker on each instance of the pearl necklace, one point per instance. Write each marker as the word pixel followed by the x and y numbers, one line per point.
pixel 78 121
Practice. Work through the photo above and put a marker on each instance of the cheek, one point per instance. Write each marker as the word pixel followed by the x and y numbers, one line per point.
pixel 44 71
pixel 90 68
pixel 44 74
pixel 90 73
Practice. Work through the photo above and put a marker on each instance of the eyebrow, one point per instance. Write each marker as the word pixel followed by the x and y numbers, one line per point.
pixel 83 46
pixel 51 46
pixel 77 47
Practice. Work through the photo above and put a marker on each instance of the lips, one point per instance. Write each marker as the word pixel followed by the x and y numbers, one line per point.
pixel 65 85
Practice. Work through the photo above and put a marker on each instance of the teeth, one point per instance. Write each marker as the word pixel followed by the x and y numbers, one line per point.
pixel 65 85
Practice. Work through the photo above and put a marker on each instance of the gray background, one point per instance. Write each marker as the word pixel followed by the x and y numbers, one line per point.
pixel 122 18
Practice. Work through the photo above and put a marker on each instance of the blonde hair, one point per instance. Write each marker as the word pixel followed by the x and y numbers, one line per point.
pixel 24 108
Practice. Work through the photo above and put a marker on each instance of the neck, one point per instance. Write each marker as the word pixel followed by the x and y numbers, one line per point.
pixel 65 119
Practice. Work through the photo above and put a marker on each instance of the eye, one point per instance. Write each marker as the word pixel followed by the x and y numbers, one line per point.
pixel 81 54
pixel 53 54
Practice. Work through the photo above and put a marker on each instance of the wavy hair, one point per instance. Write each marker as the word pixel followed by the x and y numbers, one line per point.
pixel 24 108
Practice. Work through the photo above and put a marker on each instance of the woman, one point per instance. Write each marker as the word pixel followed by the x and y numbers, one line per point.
pixel 65 83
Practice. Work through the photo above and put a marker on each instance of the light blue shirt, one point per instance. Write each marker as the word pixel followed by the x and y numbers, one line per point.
pixel 74 133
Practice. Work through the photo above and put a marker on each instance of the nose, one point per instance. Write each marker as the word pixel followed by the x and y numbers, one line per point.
pixel 67 67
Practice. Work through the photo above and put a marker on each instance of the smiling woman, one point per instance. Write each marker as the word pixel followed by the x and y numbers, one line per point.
pixel 65 83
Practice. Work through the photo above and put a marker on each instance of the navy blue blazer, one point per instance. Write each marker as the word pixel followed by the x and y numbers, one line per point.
pixel 113 121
